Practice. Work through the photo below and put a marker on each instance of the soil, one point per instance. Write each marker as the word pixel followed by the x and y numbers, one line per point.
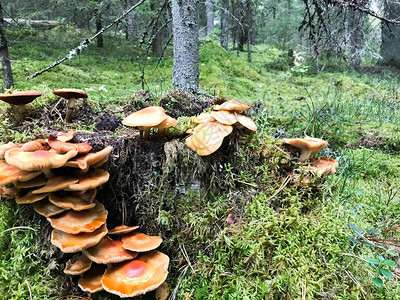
pixel 374 141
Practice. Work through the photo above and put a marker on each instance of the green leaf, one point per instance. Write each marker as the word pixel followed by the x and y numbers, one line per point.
pixel 367 243
pixel 389 263
pixel 377 281
pixel 390 252
pixel 386 273
pixel 373 261
pixel 380 257
pixel 354 227
pixel 373 231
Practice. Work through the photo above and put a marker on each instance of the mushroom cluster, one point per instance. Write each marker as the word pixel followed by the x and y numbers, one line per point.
pixel 60 179
pixel 20 99
pixel 208 136
pixel 150 117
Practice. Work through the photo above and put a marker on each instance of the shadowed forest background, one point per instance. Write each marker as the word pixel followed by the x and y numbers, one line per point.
pixel 240 223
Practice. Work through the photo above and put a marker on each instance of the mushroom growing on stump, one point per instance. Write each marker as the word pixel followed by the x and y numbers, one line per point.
pixel 308 146
pixel 71 95
pixel 77 265
pixel 20 99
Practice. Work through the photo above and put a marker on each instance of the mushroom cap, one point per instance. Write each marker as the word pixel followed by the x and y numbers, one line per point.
pixel 140 242
pixel 203 117
pixel 109 251
pixel 90 180
pixel 71 243
pixel 65 136
pixel 167 123
pixel 39 144
pixel 246 121
pixel 325 166
pixel 47 209
pixel 232 105
pixel 35 182
pixel 30 198
pixel 314 145
pixel 4 148
pixel 58 145
pixel 122 229
pixel 147 117
pixel 91 280
pixel 37 160
pixel 70 93
pixel 189 142
pixel 89 159
pixel 20 98
pixel 226 129
pixel 56 183
pixel 9 173
pixel 138 276
pixel 75 222
pixel 77 265
pixel 75 201
pixel 207 138
pixel 224 117
pixel 162 292
pixel 8 193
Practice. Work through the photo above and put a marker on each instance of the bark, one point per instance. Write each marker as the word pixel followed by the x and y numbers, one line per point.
pixel 390 35
pixel 245 20
pixel 4 55
pixel 100 41
pixel 224 24
pixel 157 42
pixel 130 26
pixel 185 19
pixel 356 37
pixel 210 16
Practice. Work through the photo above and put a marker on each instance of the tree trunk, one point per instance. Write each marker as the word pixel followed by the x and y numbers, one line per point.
pixel 224 24
pixel 4 55
pixel 157 39
pixel 244 28
pixel 100 42
pixel 390 36
pixel 185 19
pixel 210 16
pixel 356 37
pixel 130 27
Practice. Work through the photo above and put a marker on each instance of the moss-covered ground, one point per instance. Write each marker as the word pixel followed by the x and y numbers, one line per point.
pixel 289 241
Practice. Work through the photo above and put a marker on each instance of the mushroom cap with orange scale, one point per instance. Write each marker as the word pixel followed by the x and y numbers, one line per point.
pixel 226 129
pixel 75 222
pixel 122 229
pixel 75 201
pixel 30 198
pixel 138 276
pixel 70 93
pixel 167 123
pixel 56 183
pixel 37 160
pixel 325 166
pixel 89 159
pixel 203 117
pixel 35 182
pixel 4 148
pixel 140 242
pixel 47 209
pixel 147 117
pixel 232 105
pixel 58 145
pixel 246 122
pixel 20 98
pixel 109 251
pixel 207 138
pixel 9 173
pixel 39 144
pixel 224 117
pixel 71 243
pixel 90 180
pixel 91 280
pixel 308 146
pixel 77 265
pixel 65 136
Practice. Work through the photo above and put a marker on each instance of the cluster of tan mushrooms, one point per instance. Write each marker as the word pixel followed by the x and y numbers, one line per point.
pixel 39 173
pixel 307 146
pixel 20 99
pixel 208 136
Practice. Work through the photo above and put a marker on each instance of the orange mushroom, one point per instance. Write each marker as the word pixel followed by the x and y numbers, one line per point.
pixel 308 146
pixel 75 201
pixel 20 99
pixel 47 209
pixel 91 280
pixel 30 198
pixel 9 173
pixel 90 180
pixel 77 265
pixel 56 183
pixel 71 95
pixel 138 276
pixel 232 105
pixel 85 161
pixel 58 145
pixel 122 229
pixel 140 242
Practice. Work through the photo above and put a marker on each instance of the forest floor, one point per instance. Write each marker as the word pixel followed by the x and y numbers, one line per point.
pixel 288 241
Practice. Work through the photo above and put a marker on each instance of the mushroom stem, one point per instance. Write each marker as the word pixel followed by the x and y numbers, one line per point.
pixel 146 133
pixel 305 154
pixel 141 133
pixel 70 109
pixel 22 109
pixel 47 172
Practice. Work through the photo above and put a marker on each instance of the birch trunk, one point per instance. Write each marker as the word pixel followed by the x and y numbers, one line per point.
pixel 185 23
